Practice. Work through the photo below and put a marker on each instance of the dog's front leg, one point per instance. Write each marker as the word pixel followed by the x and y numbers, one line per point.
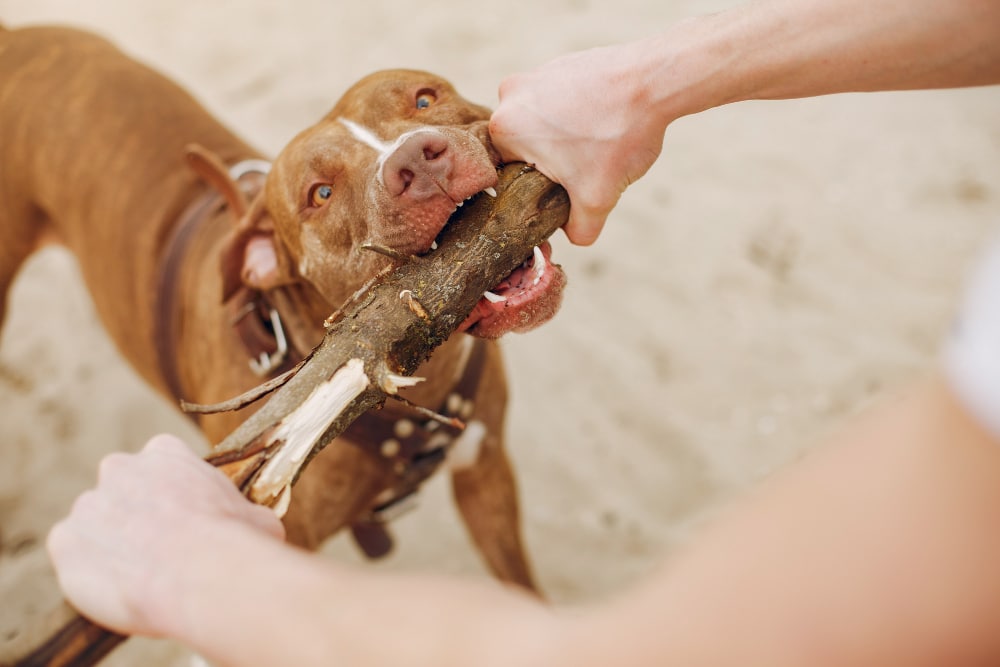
pixel 486 495
pixel 337 487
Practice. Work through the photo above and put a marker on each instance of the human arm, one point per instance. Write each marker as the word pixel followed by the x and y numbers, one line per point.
pixel 166 547
pixel 879 548
pixel 594 120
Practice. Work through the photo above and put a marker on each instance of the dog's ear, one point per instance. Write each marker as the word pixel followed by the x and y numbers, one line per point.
pixel 213 171
pixel 252 256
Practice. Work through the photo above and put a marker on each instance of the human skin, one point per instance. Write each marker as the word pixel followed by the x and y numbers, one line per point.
pixel 594 120
pixel 879 548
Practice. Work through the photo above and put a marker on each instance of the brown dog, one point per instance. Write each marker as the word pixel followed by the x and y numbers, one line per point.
pixel 93 148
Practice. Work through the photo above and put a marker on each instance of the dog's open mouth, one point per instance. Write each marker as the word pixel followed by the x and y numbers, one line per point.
pixel 528 297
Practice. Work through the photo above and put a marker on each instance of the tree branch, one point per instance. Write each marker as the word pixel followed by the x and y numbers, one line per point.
pixel 371 348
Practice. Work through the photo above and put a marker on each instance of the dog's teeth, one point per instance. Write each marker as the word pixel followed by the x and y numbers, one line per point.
pixel 539 264
pixel 459 204
pixel 494 298
pixel 434 245
pixel 491 192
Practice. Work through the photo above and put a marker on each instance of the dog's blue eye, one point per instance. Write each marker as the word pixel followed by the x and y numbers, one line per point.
pixel 320 194
pixel 425 98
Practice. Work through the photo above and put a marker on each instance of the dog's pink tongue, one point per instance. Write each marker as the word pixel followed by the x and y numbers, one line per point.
pixel 484 310
pixel 527 298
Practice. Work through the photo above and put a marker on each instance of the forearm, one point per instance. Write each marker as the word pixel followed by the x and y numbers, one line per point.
pixel 779 49
pixel 288 607
pixel 879 549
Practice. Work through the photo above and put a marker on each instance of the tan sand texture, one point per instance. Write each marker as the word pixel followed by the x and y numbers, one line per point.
pixel 782 265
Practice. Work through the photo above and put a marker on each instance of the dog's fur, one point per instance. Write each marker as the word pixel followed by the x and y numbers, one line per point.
pixel 91 156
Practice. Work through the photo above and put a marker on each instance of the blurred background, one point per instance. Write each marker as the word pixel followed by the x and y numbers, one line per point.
pixel 783 265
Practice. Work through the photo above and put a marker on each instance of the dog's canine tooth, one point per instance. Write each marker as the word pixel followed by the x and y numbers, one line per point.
pixel 434 245
pixel 539 264
pixel 494 298
pixel 491 192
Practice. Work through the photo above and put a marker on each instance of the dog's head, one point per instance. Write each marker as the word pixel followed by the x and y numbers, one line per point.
pixel 387 167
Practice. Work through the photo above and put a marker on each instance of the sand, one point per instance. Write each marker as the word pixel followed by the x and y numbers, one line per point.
pixel 783 265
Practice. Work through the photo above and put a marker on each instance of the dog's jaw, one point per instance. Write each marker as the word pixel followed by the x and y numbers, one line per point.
pixel 419 180
pixel 527 298
pixel 398 176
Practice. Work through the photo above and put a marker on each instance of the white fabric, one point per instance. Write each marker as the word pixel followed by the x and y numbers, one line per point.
pixel 972 353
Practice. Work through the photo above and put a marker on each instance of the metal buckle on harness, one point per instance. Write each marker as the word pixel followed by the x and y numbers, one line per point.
pixel 268 362
pixel 394 509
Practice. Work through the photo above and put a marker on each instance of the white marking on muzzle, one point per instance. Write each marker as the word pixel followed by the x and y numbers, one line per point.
pixel 384 149
pixel 364 135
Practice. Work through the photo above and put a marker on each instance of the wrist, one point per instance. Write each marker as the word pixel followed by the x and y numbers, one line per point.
pixel 689 68
pixel 195 593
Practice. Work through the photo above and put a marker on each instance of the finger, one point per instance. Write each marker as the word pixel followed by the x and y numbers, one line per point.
pixel 261 518
pixel 78 561
pixel 113 465
pixel 167 444
pixel 583 232
pixel 501 139
pixel 183 461
pixel 59 541
pixel 587 215
pixel 264 519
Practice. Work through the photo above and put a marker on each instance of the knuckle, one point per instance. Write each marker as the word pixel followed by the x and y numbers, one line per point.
pixel 110 466
pixel 56 539
pixel 85 504
pixel 496 123
pixel 163 443
pixel 506 84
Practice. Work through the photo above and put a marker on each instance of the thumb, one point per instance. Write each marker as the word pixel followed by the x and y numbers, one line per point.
pixel 264 519
pixel 583 231
pixel 585 221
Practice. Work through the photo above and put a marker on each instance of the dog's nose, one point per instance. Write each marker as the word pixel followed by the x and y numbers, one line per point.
pixel 420 166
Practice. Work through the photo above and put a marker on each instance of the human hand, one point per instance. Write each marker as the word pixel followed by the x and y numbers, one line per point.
pixel 586 121
pixel 123 549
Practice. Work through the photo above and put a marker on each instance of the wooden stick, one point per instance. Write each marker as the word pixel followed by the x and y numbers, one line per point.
pixel 367 355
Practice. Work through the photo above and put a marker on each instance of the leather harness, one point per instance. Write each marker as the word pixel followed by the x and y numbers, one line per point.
pixel 414 445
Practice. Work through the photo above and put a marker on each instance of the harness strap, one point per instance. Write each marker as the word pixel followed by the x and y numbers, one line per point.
pixel 207 206
pixel 168 319
pixel 416 448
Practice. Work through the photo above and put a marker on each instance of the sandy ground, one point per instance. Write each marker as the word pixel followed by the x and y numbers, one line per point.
pixel 782 265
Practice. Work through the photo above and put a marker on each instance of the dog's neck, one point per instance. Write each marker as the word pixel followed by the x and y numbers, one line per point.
pixel 303 310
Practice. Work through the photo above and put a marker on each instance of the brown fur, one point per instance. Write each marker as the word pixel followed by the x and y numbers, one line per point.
pixel 93 148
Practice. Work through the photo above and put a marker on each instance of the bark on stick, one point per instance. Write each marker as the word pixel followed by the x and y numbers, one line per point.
pixel 371 348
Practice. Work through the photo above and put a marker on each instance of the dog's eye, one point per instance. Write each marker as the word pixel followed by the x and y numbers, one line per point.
pixel 320 194
pixel 425 98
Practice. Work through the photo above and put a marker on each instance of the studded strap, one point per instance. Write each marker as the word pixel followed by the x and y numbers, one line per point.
pixel 416 447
